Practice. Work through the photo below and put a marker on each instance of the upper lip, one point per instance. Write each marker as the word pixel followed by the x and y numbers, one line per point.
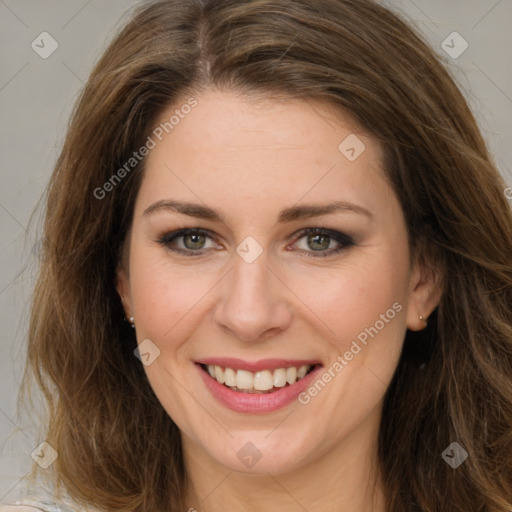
pixel 256 366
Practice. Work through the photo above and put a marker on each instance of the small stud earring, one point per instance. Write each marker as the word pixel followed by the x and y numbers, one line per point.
pixel 132 322
pixel 423 319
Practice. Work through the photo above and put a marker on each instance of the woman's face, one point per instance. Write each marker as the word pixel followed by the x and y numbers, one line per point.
pixel 297 261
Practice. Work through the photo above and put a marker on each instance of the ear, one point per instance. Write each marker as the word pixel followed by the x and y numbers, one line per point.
pixel 123 289
pixel 123 278
pixel 122 282
pixel 425 287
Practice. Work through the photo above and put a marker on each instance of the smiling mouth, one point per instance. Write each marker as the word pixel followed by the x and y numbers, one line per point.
pixel 262 382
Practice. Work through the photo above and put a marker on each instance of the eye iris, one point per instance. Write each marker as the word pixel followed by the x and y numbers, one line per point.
pixel 197 241
pixel 322 242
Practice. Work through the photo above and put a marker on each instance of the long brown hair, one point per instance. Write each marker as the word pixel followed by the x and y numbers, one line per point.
pixel 118 448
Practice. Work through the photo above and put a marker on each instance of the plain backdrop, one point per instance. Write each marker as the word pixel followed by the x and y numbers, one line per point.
pixel 36 98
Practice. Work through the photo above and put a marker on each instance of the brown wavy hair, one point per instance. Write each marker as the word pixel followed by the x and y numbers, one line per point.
pixel 118 448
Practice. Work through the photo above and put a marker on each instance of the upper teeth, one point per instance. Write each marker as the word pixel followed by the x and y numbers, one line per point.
pixel 260 381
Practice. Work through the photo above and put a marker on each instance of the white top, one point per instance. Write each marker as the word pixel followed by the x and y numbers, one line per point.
pixel 40 498
pixel 33 505
pixel 41 502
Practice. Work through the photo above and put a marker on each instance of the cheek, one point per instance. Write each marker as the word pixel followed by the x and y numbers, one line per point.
pixel 168 301
pixel 361 312
pixel 351 297
pixel 164 296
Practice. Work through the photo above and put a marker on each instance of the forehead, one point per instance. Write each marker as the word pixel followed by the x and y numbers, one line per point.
pixel 235 146
pixel 231 120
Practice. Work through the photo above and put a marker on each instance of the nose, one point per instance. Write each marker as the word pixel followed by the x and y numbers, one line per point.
pixel 253 305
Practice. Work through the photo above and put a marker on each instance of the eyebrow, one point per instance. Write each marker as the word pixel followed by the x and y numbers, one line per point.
pixel 306 211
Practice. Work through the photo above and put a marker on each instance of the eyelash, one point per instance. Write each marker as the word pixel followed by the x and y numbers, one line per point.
pixel 343 239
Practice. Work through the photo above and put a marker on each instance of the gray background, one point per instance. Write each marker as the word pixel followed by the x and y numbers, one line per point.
pixel 36 97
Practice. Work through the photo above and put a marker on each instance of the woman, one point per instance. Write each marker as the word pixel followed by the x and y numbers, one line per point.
pixel 277 271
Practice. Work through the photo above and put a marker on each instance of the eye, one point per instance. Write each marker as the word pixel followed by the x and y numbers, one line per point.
pixel 319 240
pixel 192 240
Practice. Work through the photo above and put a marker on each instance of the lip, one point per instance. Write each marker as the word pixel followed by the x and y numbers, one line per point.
pixel 257 366
pixel 256 403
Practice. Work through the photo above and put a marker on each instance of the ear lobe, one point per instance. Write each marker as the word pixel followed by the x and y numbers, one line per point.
pixel 427 285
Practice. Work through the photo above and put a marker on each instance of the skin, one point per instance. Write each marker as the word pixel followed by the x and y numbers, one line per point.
pixel 250 159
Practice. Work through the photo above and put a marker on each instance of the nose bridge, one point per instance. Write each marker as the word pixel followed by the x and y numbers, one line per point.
pixel 250 278
pixel 251 302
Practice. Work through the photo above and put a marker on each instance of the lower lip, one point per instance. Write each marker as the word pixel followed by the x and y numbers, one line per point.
pixel 256 402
